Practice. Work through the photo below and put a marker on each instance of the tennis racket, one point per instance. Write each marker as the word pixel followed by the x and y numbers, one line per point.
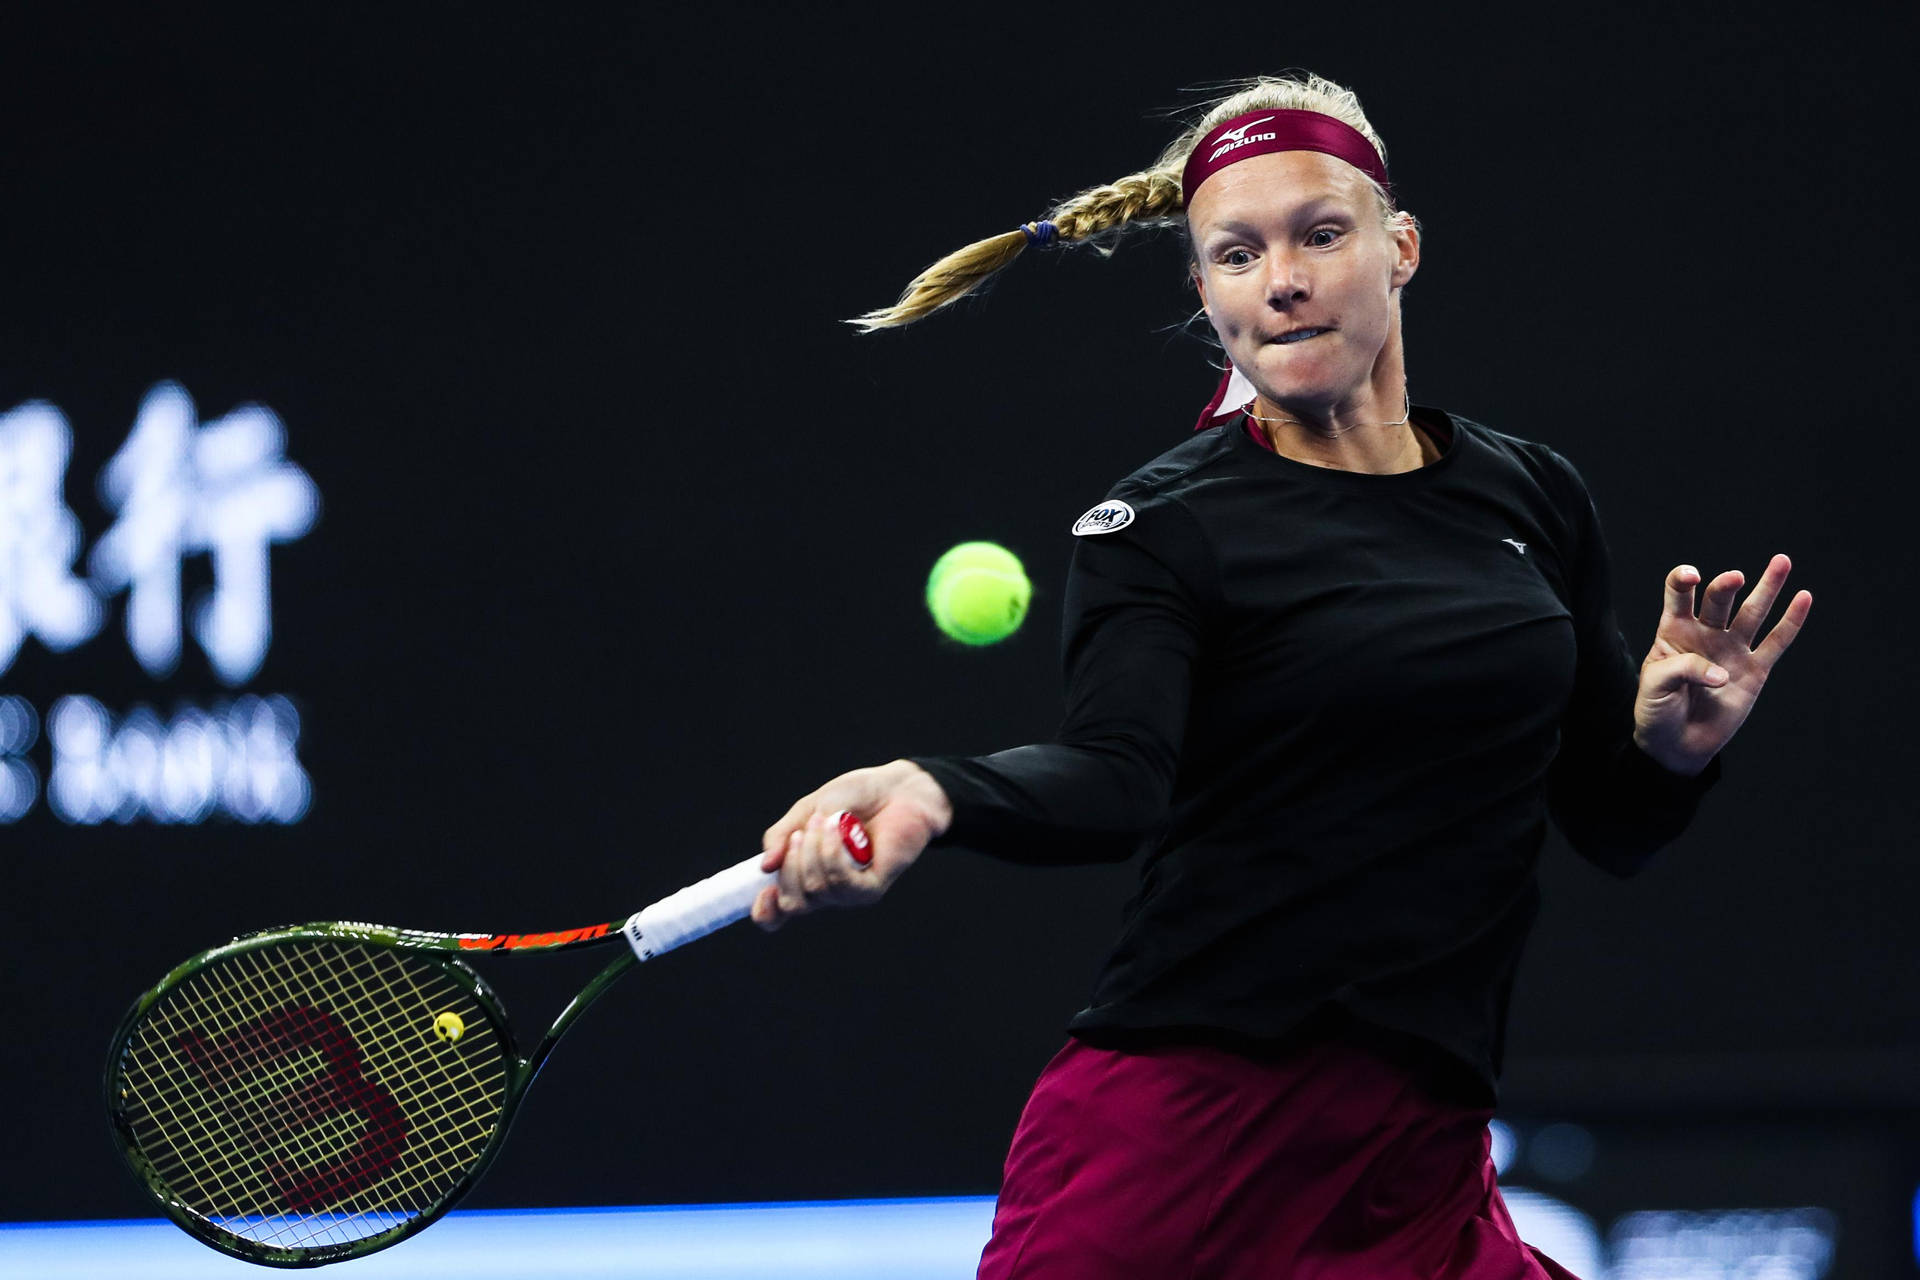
pixel 309 1094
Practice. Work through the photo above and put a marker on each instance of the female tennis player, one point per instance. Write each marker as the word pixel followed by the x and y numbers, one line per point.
pixel 1331 663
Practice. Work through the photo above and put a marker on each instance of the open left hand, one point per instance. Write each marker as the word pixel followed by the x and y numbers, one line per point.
pixel 1703 674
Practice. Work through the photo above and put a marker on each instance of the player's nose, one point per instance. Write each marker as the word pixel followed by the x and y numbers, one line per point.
pixel 1288 282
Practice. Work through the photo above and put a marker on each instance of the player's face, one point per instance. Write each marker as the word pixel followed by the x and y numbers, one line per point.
pixel 1301 279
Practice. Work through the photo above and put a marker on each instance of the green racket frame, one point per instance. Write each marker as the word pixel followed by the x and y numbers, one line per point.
pixel 447 950
pixel 680 917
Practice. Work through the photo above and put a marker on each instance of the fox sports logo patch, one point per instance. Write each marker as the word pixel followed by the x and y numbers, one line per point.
pixel 1105 518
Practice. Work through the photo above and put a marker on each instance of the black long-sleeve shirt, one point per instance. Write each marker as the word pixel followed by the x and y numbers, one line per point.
pixel 1334 709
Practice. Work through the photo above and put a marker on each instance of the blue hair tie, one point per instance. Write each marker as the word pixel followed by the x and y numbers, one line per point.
pixel 1039 233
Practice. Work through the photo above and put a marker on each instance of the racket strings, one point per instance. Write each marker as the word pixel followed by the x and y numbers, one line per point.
pixel 415 1184
pixel 240 1151
pixel 215 1150
pixel 340 1131
pixel 459 1092
pixel 298 1095
pixel 350 1129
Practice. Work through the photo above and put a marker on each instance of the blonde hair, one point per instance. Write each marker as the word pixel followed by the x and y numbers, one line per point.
pixel 1143 200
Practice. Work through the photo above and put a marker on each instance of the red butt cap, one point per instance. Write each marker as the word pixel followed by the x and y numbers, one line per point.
pixel 854 838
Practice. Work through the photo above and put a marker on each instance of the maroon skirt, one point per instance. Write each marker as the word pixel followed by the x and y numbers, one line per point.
pixel 1330 1161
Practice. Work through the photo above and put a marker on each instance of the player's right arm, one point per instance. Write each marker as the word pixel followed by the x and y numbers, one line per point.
pixel 1140 596
pixel 1134 602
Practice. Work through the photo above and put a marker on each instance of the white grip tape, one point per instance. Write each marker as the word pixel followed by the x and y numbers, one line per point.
pixel 697 910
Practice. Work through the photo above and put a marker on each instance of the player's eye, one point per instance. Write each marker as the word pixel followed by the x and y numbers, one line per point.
pixel 1322 237
pixel 1236 257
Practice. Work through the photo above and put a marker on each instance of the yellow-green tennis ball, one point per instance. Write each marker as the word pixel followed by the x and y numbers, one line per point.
pixel 449 1026
pixel 978 593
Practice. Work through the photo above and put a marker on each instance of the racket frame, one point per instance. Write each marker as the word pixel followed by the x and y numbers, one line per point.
pixel 445 949
pixel 681 917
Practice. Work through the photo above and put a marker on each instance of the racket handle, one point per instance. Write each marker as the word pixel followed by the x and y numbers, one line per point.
pixel 720 899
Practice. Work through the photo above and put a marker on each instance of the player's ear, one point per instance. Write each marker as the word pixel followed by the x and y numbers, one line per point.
pixel 1199 284
pixel 1405 230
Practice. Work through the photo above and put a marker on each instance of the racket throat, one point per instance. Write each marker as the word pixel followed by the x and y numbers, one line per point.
pixel 589 994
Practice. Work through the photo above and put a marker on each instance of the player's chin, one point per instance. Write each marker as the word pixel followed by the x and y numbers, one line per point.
pixel 1300 374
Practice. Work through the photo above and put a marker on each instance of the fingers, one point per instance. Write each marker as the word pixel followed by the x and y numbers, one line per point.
pixel 1678 604
pixel 1670 675
pixel 900 806
pixel 1746 625
pixel 766 909
pixel 786 896
pixel 816 868
pixel 773 841
pixel 859 790
pixel 1769 650
pixel 1716 606
pixel 1716 602
pixel 809 867
pixel 767 912
pixel 792 899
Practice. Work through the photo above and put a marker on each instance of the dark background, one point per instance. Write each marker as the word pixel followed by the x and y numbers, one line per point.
pixel 624 532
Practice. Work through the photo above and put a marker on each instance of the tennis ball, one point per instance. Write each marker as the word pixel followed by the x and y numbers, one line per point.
pixel 449 1027
pixel 978 593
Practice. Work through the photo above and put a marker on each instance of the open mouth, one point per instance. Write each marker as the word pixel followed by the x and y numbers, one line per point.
pixel 1299 335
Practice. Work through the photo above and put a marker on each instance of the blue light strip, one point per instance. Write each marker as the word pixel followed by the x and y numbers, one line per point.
pixel 931 1239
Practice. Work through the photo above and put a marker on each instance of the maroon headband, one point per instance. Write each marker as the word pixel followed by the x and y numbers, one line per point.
pixel 1259 133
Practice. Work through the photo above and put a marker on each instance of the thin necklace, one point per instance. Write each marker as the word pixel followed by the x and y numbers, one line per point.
pixel 1405 395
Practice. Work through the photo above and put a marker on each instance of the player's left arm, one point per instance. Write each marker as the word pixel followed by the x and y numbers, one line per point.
pixel 1616 802
pixel 1701 677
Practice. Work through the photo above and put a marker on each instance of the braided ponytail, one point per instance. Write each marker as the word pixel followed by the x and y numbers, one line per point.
pixel 1150 198
pixel 1098 215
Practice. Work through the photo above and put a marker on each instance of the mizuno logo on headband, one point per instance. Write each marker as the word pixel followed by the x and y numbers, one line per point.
pixel 1238 138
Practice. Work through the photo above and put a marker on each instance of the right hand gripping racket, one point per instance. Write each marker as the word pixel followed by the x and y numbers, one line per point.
pixel 315 1093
